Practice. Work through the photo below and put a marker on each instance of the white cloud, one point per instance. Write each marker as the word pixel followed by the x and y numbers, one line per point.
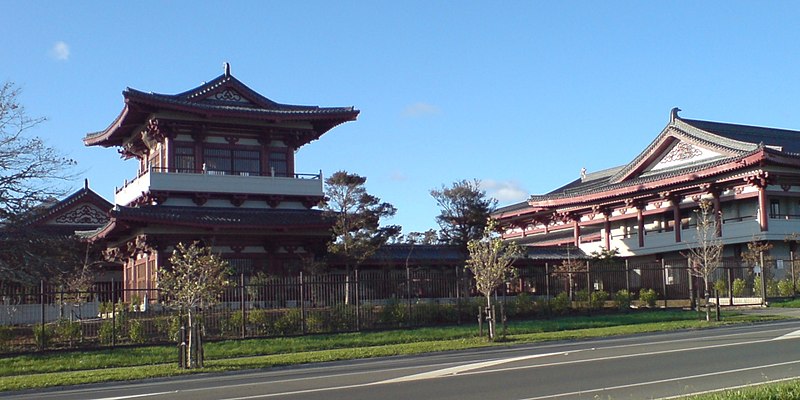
pixel 421 109
pixel 398 176
pixel 504 192
pixel 60 51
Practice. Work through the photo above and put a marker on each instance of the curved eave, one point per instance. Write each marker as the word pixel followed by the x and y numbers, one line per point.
pixel 652 186
pixel 278 115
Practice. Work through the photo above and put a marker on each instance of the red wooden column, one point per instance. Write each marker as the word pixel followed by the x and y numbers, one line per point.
pixel 640 221
pixel 760 180
pixel 576 229
pixel 763 217
pixel 607 227
pixel 676 216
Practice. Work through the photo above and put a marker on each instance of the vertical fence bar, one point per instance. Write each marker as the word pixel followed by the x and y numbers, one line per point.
pixel 302 305
pixel 763 278
pixel 458 297
pixel 358 301
pixel 664 280
pixel 113 315
pixel 627 277
pixel 242 294
pixel 547 279
pixel 43 339
pixel 408 296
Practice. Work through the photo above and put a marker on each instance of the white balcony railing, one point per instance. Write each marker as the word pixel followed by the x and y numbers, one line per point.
pixel 174 182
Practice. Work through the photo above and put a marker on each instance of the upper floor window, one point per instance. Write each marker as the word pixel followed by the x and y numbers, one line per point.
pixel 775 208
pixel 184 159
pixel 278 163
pixel 226 161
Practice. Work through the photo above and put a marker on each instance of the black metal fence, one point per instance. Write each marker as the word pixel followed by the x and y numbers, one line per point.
pixel 47 318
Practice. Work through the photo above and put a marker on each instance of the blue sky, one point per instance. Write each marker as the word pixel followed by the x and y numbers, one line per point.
pixel 520 95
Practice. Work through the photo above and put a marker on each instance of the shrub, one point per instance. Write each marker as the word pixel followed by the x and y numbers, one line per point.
pixel 648 297
pixel 739 287
pixel 136 331
pixel 42 336
pixel 259 320
pixel 314 323
pixel 107 332
pixel 68 331
pixel 721 286
pixel 560 304
pixel 232 324
pixel 622 299
pixel 598 299
pixel 393 313
pixel 289 323
pixel 6 334
pixel 522 306
pixel 785 288
pixel 772 288
pixel 582 295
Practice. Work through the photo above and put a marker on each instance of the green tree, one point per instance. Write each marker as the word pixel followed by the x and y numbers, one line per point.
pixel 193 281
pixel 465 209
pixel 356 215
pixel 706 254
pixel 490 261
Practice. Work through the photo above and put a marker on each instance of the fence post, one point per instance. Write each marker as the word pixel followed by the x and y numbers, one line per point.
pixel 588 289
pixel 794 281
pixel 692 297
pixel 730 286
pixel 547 280
pixel 664 280
pixel 408 296
pixel 43 340
pixel 113 315
pixel 458 297
pixel 302 305
pixel 627 277
pixel 358 300
pixel 763 278
pixel 242 294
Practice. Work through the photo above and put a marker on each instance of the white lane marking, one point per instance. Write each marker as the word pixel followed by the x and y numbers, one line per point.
pixel 747 385
pixel 716 336
pixel 134 396
pixel 554 396
pixel 468 367
pixel 790 335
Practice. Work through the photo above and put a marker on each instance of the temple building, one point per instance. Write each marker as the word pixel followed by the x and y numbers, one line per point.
pixel 645 209
pixel 216 163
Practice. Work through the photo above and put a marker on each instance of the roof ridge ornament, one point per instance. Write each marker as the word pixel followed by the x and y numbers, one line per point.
pixel 227 67
pixel 673 114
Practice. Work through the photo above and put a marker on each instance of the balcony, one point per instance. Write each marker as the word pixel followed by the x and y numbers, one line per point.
pixel 157 180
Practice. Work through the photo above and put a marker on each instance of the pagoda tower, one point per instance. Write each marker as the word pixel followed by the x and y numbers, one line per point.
pixel 216 165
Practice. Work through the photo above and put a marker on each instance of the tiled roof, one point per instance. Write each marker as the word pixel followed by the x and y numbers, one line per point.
pixel 221 217
pixel 398 253
pixel 737 141
pixel 224 96
pixel 555 253
pixel 788 140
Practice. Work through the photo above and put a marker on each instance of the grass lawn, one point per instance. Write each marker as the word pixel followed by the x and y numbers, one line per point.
pixel 77 367
pixel 792 303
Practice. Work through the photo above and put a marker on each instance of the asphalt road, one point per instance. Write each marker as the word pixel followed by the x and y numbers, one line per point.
pixel 659 365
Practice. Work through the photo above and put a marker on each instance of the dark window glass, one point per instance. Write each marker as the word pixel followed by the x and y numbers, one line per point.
pixel 246 162
pixel 278 163
pixel 184 159
pixel 217 161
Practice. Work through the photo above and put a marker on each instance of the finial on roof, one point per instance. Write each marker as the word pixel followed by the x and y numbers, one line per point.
pixel 86 183
pixel 227 67
pixel 673 115
pixel 583 173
